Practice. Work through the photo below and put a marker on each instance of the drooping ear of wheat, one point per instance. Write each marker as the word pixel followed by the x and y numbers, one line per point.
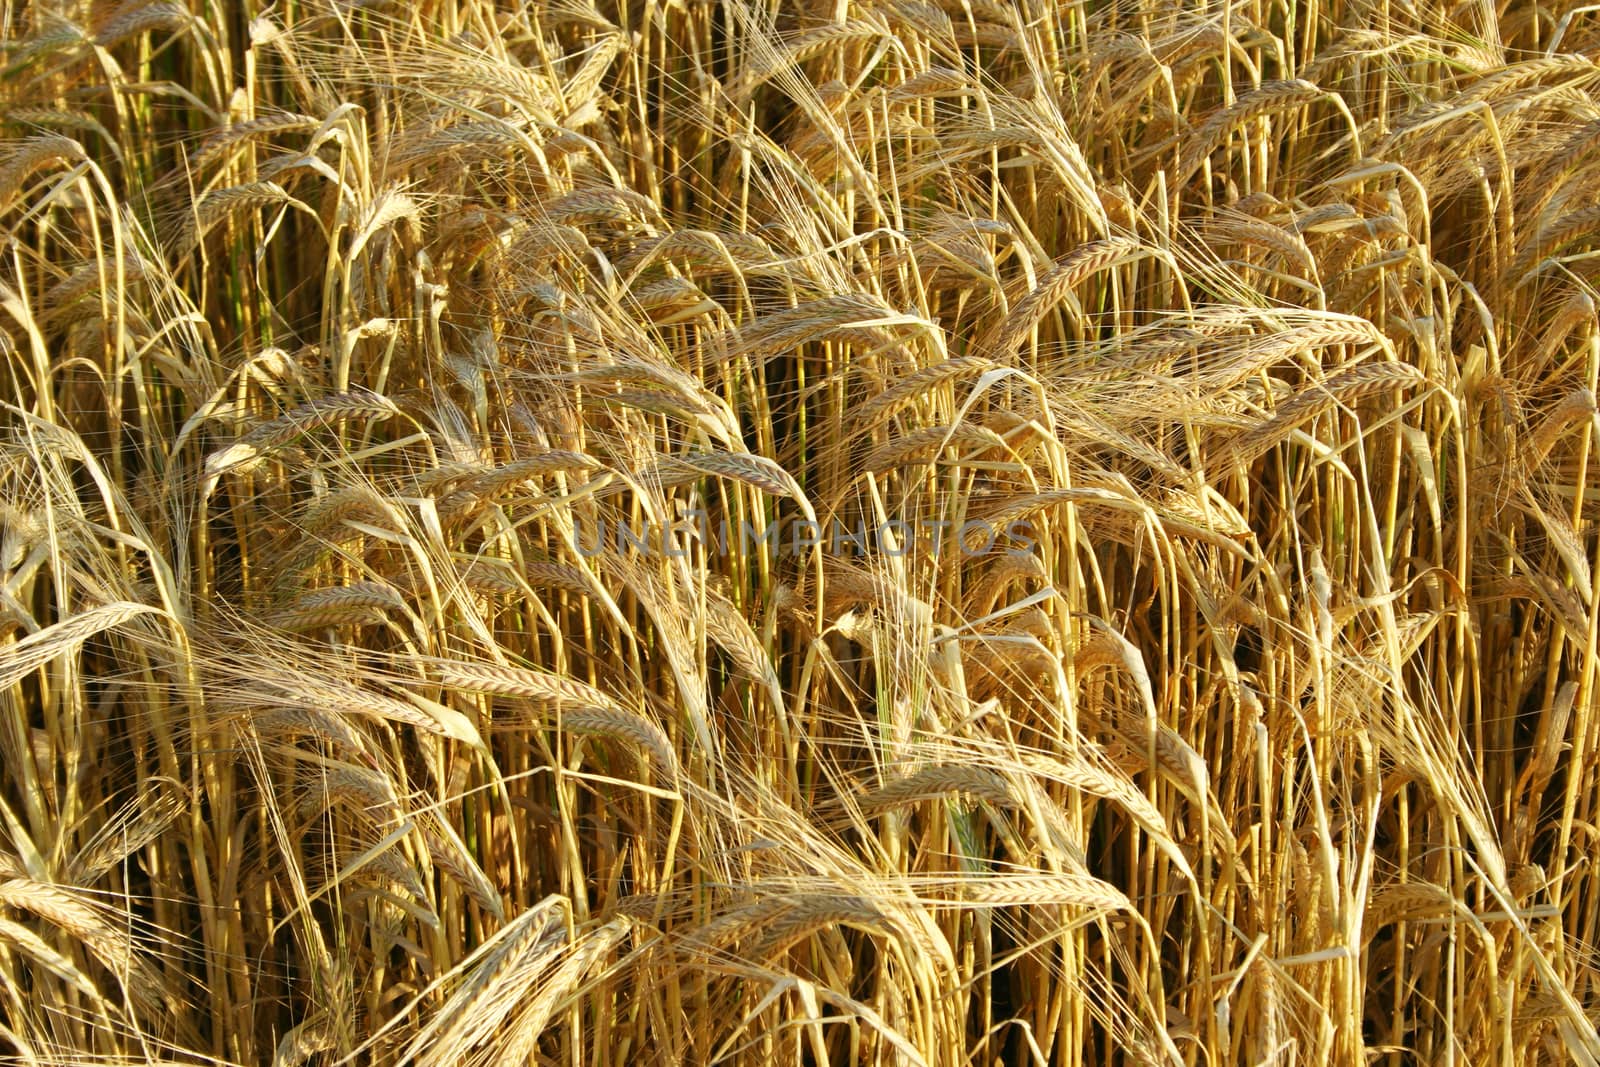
pixel 879 532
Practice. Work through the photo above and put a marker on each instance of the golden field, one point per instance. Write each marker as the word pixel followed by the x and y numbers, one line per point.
pixel 1170 634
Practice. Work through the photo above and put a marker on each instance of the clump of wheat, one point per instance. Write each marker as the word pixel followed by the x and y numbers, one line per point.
pixel 876 533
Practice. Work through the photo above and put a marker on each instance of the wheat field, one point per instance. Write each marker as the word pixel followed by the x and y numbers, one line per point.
pixel 919 532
